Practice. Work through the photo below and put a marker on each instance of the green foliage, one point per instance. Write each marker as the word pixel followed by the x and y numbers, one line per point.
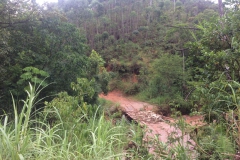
pixel 45 45
pixel 220 104
pixel 64 56
pixel 178 36
pixel 218 98
pixel 217 48
pixel 131 36
pixel 33 75
pixel 213 143
pixel 96 81
pixel 96 62
pixel 67 107
pixel 84 88
pixel 217 51
pixel 216 65
pixel 215 70
pixel 97 70
pixel 70 108
pixel 167 76
pixel 131 89
pixel 15 136
pixel 28 137
pixel 180 105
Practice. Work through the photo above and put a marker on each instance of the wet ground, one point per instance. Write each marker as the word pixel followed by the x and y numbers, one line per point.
pixel 156 125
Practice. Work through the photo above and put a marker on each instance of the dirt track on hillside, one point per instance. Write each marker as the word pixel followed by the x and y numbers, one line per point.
pixel 156 125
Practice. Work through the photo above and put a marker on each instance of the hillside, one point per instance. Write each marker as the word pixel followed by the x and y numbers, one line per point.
pixel 181 56
pixel 135 37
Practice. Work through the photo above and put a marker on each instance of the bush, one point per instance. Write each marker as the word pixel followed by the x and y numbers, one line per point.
pixel 179 104
pixel 131 89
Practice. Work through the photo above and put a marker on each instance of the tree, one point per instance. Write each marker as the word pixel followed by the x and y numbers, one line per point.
pixel 218 48
pixel 167 76
pixel 14 16
pixel 45 45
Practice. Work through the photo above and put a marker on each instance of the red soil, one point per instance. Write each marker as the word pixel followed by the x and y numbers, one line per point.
pixel 156 125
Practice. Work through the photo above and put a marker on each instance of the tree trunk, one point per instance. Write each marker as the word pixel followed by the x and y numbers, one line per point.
pixel 220 8
pixel 123 32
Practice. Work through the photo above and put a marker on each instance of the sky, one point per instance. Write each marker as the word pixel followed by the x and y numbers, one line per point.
pixel 43 1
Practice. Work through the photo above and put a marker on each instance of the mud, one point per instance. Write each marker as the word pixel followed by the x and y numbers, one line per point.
pixel 156 125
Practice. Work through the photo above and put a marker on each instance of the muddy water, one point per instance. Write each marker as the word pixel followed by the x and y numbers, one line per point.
pixel 156 125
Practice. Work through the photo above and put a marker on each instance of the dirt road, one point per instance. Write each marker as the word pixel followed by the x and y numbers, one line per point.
pixel 155 124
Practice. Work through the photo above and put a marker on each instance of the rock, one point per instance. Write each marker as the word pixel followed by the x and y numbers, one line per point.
pixel 113 109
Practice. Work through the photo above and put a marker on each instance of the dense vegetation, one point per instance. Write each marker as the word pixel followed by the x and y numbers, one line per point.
pixel 181 55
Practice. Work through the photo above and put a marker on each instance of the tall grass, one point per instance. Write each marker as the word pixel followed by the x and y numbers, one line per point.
pixel 28 137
